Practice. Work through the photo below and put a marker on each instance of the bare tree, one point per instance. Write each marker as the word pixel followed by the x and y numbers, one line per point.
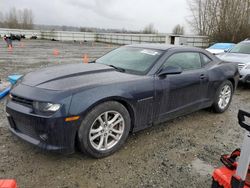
pixel 178 30
pixel 1 20
pixel 27 19
pixel 149 29
pixel 22 18
pixel 11 19
pixel 221 20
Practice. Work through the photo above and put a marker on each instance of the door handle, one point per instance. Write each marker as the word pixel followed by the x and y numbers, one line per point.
pixel 203 76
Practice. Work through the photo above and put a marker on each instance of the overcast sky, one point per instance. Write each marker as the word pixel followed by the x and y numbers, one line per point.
pixel 117 14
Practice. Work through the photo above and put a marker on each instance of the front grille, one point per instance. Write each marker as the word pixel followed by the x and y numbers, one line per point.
pixel 241 65
pixel 26 129
pixel 23 101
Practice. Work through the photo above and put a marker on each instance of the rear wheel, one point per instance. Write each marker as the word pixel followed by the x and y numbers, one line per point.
pixel 104 130
pixel 223 97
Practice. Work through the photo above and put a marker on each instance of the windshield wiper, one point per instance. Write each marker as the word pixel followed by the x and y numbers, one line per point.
pixel 117 68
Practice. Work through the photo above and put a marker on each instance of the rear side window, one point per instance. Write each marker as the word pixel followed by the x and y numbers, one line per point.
pixel 185 60
pixel 205 60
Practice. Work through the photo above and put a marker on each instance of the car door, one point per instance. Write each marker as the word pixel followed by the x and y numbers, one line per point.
pixel 181 93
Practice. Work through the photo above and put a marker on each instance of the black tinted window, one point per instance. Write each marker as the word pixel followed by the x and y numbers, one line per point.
pixel 185 60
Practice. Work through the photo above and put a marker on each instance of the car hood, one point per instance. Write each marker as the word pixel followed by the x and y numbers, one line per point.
pixel 235 57
pixel 72 76
pixel 215 51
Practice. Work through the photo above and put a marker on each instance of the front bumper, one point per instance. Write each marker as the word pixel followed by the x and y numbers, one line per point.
pixel 48 133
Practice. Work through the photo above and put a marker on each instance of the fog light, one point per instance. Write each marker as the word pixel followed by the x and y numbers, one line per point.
pixel 44 136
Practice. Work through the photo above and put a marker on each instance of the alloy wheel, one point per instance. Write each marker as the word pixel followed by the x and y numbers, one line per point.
pixel 107 130
pixel 225 96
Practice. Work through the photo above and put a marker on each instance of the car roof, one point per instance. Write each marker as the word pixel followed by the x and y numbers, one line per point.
pixel 158 46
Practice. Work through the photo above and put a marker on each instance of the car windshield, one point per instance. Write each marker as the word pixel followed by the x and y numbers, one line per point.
pixel 243 48
pixel 131 59
pixel 222 46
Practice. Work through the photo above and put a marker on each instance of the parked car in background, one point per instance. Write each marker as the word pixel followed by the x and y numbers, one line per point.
pixel 15 37
pixel 22 36
pixel 96 105
pixel 34 36
pixel 220 48
pixel 240 53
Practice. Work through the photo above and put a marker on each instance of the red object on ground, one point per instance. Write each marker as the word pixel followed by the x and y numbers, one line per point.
pixel 235 173
pixel 8 183
pixel 10 48
pixel 223 176
pixel 55 52
pixel 21 45
pixel 85 59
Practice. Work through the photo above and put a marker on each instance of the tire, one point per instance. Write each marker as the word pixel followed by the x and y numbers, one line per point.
pixel 222 101
pixel 104 129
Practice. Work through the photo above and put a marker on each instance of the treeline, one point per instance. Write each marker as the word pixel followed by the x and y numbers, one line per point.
pixel 221 20
pixel 103 30
pixel 17 19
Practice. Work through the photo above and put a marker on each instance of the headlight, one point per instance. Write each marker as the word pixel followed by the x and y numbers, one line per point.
pixel 248 67
pixel 46 107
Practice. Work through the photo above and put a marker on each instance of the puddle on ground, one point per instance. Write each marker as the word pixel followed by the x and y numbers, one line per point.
pixel 202 168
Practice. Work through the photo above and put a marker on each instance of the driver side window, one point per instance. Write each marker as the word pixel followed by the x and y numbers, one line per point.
pixel 185 60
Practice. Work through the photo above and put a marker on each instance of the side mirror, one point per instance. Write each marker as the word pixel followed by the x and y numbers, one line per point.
pixel 170 70
pixel 226 50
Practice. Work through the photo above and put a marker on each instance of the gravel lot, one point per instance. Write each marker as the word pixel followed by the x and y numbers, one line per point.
pixel 178 153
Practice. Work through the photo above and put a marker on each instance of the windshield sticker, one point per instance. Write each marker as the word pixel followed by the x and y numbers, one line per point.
pixel 149 52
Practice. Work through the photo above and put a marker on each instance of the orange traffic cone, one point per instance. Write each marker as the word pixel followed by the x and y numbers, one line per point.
pixel 10 48
pixel 85 59
pixel 21 45
pixel 55 52
pixel 8 183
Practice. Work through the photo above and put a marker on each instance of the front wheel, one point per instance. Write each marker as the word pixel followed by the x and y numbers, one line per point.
pixel 104 129
pixel 223 97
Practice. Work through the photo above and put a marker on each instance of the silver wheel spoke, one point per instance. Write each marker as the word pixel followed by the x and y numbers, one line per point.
pixel 101 120
pixel 220 102
pixel 93 131
pixel 114 118
pixel 223 103
pixel 113 136
pixel 115 123
pixel 95 136
pixel 100 143
pixel 116 131
pixel 106 142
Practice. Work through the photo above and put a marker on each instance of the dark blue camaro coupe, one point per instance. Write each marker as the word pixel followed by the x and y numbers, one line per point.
pixel 94 106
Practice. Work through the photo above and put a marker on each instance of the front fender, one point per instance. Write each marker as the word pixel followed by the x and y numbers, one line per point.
pixel 84 101
pixel 137 98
